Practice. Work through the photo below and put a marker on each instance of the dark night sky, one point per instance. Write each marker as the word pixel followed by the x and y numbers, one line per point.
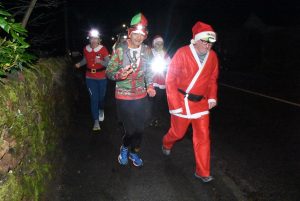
pixel 174 19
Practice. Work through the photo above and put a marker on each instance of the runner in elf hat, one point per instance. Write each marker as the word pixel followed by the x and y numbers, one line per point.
pixel 130 68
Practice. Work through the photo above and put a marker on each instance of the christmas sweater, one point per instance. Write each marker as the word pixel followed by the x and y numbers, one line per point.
pixel 136 84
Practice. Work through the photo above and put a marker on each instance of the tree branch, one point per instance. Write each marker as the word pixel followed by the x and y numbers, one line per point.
pixel 28 13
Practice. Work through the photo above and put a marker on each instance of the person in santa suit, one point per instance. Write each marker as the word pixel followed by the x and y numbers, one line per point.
pixel 96 58
pixel 191 87
pixel 130 68
pixel 159 65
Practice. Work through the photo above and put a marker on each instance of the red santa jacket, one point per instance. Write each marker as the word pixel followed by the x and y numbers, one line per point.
pixel 90 56
pixel 187 73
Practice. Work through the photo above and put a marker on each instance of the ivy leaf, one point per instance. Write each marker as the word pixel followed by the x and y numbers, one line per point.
pixel 4 13
pixel 13 53
pixel 18 28
pixel 4 25
pixel 24 44
pixel 14 35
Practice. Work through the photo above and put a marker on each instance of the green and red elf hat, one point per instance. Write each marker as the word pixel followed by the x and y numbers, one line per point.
pixel 138 24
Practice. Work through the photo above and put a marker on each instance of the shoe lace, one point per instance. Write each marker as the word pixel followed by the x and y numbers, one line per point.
pixel 135 157
pixel 124 152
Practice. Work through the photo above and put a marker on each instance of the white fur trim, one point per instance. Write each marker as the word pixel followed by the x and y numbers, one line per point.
pixel 98 48
pixel 200 66
pixel 159 86
pixel 159 39
pixel 192 116
pixel 139 31
pixel 90 49
pixel 204 35
pixel 176 111
pixel 212 101
pixel 191 85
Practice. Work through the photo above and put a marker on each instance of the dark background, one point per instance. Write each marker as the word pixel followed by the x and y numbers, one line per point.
pixel 174 19
pixel 258 37
pixel 251 34
pixel 254 36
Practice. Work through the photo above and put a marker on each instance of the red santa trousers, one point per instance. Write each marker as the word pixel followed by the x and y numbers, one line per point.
pixel 201 140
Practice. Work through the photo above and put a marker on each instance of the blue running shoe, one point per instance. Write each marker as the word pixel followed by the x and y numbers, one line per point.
pixel 123 157
pixel 137 161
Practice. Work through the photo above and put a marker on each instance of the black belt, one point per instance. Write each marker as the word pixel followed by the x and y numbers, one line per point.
pixel 94 70
pixel 190 96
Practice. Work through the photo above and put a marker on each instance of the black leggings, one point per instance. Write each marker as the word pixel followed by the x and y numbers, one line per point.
pixel 132 113
pixel 158 103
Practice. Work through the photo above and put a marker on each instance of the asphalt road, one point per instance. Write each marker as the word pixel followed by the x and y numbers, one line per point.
pixel 255 156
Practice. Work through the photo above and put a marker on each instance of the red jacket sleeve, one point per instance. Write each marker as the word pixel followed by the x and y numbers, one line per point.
pixel 104 52
pixel 213 86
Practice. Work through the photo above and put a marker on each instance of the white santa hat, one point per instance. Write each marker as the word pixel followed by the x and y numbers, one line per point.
pixel 202 31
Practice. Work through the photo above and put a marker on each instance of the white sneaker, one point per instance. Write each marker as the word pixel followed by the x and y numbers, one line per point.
pixel 96 126
pixel 101 115
pixel 166 152
pixel 204 179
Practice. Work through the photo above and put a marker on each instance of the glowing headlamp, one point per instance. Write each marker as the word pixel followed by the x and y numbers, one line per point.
pixel 158 65
pixel 139 27
pixel 94 33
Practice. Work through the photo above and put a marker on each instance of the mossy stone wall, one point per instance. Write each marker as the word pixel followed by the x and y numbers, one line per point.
pixel 35 109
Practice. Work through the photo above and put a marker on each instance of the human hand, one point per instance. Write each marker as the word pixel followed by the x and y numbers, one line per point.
pixel 126 71
pixel 77 65
pixel 211 104
pixel 98 60
pixel 151 92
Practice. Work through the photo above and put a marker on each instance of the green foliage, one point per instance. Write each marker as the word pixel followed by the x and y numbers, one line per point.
pixel 34 110
pixel 13 46
pixel 6 192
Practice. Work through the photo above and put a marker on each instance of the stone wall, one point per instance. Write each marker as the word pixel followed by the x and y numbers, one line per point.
pixel 35 109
